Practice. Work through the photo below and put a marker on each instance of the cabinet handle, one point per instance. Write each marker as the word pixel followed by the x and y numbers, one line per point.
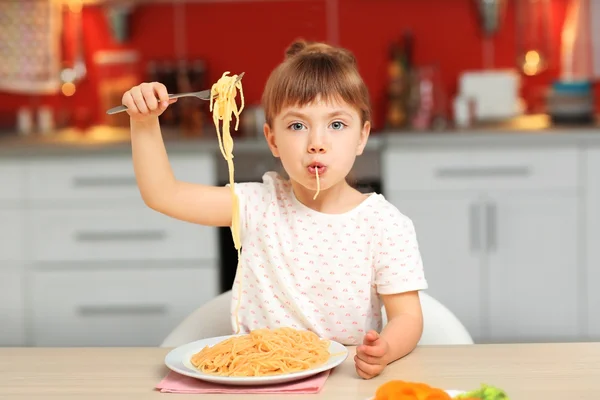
pixel 103 181
pixel 121 309
pixel 491 229
pixel 474 219
pixel 483 172
pixel 109 236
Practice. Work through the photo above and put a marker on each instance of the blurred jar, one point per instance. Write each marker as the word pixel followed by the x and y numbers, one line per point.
pixel 428 99
pixel 252 121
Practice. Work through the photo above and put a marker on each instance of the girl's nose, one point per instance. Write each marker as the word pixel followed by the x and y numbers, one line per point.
pixel 316 149
pixel 316 144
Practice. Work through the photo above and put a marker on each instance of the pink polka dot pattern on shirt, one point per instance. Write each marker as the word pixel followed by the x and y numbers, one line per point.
pixel 309 270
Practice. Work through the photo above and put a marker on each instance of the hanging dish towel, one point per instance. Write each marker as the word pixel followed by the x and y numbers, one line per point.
pixel 30 34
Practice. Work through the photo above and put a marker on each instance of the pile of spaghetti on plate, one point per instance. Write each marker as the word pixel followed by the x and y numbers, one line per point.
pixel 263 352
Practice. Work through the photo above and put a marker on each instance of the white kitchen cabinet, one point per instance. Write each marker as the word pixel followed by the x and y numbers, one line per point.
pixel 116 234
pixel 102 268
pixel 104 178
pixel 506 264
pixel 94 178
pixel 481 168
pixel 499 232
pixel 127 307
pixel 12 234
pixel 592 244
pixel 12 306
pixel 13 245
pixel 533 270
pixel 448 234
pixel 12 176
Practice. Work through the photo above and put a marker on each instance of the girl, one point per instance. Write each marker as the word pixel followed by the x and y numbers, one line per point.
pixel 326 263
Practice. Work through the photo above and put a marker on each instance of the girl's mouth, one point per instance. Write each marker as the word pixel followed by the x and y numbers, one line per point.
pixel 315 167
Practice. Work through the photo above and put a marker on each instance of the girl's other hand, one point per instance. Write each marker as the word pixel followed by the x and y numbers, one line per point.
pixel 370 358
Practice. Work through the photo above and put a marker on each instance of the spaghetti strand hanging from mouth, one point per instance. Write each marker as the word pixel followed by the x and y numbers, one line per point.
pixel 318 183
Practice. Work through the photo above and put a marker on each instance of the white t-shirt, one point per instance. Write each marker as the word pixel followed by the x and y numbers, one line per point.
pixel 322 272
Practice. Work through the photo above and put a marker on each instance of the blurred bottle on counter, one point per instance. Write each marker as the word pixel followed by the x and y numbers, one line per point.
pixel 45 120
pixel 184 104
pixel 428 102
pixel 192 79
pixel 187 116
pixel 400 66
pixel 166 73
pixel 152 74
pixel 25 121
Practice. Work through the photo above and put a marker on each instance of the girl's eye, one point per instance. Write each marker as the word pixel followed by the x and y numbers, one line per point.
pixel 338 125
pixel 296 126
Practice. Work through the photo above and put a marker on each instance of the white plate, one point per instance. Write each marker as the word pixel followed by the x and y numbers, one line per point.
pixel 178 360
pixel 452 393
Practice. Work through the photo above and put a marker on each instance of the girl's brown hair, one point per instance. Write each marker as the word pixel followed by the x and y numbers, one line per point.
pixel 313 69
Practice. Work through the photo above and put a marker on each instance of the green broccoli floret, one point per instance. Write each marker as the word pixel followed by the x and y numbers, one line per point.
pixel 486 392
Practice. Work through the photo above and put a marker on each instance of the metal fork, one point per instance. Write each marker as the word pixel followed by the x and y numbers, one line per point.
pixel 202 95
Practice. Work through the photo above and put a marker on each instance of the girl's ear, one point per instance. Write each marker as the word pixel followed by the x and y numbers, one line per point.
pixel 270 136
pixel 364 136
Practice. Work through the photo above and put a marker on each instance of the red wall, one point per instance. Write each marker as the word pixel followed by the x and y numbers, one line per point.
pixel 252 36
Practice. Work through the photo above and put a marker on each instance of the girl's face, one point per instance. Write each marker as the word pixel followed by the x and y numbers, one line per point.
pixel 320 136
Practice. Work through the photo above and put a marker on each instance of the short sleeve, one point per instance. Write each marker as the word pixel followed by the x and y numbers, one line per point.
pixel 398 264
pixel 253 200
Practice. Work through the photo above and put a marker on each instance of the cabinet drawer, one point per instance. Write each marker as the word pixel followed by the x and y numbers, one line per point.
pixel 116 308
pixel 12 237
pixel 117 234
pixel 12 307
pixel 11 180
pixel 502 168
pixel 105 178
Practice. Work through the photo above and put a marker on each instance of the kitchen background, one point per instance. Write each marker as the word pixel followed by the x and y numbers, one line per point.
pixel 485 134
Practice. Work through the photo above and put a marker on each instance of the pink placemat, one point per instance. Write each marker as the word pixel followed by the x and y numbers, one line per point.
pixel 177 383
